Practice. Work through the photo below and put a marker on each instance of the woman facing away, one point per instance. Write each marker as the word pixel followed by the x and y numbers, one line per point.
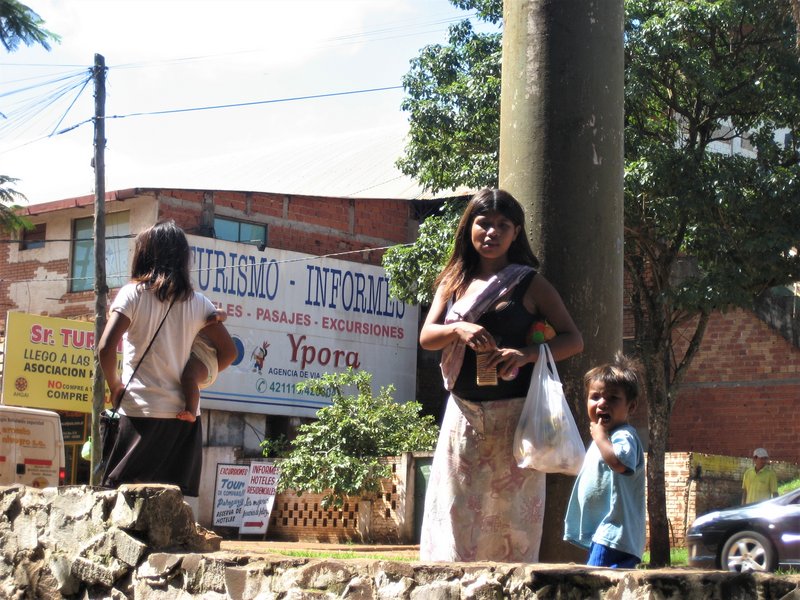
pixel 153 445
pixel 479 505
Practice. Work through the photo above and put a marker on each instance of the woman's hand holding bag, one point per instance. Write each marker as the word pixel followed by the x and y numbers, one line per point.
pixel 547 438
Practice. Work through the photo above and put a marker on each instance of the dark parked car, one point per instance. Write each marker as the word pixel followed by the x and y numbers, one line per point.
pixel 754 537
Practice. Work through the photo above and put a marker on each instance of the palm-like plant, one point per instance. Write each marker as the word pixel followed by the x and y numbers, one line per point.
pixel 18 25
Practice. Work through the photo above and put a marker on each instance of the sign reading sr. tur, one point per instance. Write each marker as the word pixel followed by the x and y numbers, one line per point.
pixel 49 362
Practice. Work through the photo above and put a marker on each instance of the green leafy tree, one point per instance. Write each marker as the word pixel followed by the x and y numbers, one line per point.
pixel 705 229
pixel 340 453
pixel 454 89
pixel 9 219
pixel 18 25
pixel 413 268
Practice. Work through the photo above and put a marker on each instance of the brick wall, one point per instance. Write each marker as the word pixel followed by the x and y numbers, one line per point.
pixel 745 382
pixel 36 281
pixel 698 483
pixel 385 517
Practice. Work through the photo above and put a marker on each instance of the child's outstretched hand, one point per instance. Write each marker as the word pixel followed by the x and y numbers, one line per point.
pixel 185 415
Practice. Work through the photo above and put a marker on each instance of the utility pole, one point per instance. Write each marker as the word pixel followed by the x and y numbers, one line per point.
pixel 100 287
pixel 561 155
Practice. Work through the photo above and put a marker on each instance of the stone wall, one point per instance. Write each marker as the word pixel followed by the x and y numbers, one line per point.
pixel 141 543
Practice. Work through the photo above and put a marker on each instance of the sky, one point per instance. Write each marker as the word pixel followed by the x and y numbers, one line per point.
pixel 174 55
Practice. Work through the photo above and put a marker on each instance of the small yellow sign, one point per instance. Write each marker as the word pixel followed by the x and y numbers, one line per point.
pixel 49 363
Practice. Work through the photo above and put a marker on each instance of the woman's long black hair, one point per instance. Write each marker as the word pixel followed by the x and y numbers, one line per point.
pixel 465 260
pixel 161 261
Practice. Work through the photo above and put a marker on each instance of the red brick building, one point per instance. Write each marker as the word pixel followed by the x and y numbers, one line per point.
pixel 740 393
pixel 49 270
pixel 743 388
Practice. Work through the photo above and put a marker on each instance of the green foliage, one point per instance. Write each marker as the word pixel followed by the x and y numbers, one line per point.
pixel 20 24
pixel 413 268
pixel 788 486
pixel 275 447
pixel 453 99
pixel 340 452
pixel 9 219
pixel 699 75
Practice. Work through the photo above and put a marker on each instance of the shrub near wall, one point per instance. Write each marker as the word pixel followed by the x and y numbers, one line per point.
pixel 386 517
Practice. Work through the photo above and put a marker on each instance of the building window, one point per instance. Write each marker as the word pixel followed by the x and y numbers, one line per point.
pixel 240 231
pixel 33 238
pixel 117 242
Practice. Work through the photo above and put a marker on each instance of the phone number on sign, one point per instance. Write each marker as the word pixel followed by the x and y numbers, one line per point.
pixel 278 387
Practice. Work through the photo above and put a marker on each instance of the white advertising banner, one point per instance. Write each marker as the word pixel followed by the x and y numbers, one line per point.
pixel 295 316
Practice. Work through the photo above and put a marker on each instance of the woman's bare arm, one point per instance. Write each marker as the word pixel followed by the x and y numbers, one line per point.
pixel 116 326
pixel 435 334
pixel 219 337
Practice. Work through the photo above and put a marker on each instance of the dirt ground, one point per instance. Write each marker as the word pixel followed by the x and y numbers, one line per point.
pixel 270 547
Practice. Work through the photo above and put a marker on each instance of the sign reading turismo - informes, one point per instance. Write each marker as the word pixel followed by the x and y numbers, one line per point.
pixel 294 317
pixel 49 363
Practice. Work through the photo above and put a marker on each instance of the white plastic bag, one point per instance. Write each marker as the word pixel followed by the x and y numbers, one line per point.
pixel 547 438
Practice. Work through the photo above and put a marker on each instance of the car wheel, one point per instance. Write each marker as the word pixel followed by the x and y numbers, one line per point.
pixel 748 551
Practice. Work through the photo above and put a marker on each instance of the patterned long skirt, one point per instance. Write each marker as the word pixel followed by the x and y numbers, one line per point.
pixel 479 506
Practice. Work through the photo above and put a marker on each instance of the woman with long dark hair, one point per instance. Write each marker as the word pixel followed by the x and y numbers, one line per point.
pixel 153 445
pixel 479 505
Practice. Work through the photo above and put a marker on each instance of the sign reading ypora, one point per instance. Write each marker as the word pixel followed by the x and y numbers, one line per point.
pixel 49 363
pixel 294 317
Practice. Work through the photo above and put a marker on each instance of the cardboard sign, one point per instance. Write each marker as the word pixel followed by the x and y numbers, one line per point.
pixel 259 497
pixel 229 491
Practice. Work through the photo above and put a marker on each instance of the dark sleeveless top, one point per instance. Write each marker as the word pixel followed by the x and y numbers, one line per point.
pixel 509 326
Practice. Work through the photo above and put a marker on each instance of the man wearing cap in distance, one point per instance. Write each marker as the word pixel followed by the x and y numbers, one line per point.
pixel 759 482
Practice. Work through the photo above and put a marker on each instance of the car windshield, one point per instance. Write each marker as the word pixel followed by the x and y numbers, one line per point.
pixel 790 497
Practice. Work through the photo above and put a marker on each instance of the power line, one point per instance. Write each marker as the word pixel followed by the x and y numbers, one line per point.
pixel 255 102
pixel 198 270
pixel 202 108
pixel 388 32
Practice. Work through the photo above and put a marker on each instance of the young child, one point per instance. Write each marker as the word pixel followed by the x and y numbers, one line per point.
pixel 606 513
pixel 201 369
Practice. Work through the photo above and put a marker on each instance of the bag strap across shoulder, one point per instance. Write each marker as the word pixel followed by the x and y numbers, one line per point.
pixel 138 364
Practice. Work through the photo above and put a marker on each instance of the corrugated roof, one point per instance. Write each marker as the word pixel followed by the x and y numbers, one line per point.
pixel 358 164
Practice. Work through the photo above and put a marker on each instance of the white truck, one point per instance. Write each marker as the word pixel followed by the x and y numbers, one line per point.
pixel 31 447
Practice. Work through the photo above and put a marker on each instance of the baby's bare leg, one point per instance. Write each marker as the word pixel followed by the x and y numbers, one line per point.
pixel 193 373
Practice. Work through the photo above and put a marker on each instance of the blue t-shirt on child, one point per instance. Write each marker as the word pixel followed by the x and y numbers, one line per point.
pixel 607 507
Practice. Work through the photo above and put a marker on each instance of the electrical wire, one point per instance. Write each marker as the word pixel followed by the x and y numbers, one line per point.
pixel 41 104
pixel 197 270
pixel 254 103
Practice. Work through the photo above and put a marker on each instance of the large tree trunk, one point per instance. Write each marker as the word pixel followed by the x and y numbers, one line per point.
pixel 658 416
pixel 563 68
